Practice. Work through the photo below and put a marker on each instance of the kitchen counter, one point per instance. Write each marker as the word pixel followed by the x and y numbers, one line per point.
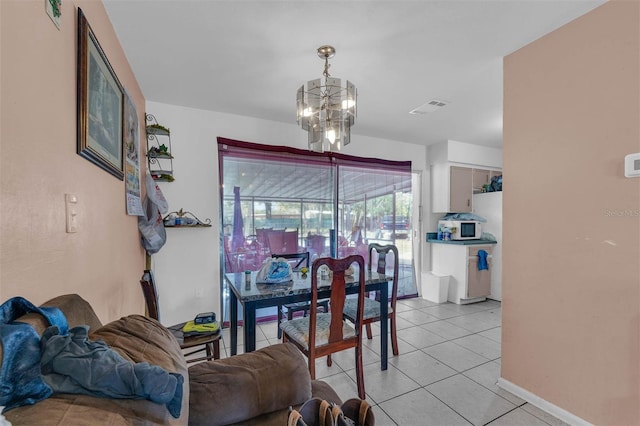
pixel 459 261
pixel 462 242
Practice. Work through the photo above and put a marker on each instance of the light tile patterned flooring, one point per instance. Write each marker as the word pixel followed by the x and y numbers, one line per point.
pixel 446 372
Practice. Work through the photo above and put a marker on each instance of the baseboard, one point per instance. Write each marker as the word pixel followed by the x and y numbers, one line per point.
pixel 546 406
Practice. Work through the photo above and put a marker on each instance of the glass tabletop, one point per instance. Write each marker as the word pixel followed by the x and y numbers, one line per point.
pixel 300 284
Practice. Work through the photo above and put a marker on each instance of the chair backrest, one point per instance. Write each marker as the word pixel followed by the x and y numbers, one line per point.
pixel 316 244
pixel 150 294
pixel 298 260
pixel 381 265
pixel 290 241
pixel 262 233
pixel 338 283
pixel 275 239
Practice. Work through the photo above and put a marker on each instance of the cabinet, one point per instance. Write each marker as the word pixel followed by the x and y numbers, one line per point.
pixel 467 284
pixel 159 157
pixel 452 186
pixel 481 177
pixel 460 179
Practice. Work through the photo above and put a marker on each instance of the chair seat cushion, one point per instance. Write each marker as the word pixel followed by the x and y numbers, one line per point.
pixel 298 306
pixel 371 309
pixel 298 330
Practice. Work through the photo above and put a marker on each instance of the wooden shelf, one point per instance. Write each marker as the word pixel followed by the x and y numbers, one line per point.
pixel 198 225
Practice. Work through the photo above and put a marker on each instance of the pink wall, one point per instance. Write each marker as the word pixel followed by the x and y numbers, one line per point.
pixel 38 259
pixel 571 274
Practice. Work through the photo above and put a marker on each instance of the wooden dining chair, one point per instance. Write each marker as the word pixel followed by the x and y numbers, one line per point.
pixel 371 306
pixel 209 343
pixel 299 260
pixel 321 334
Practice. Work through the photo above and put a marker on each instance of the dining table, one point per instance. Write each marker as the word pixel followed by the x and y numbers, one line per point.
pixel 252 295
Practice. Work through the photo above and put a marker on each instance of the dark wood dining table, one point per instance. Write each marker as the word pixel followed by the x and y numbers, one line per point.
pixel 254 295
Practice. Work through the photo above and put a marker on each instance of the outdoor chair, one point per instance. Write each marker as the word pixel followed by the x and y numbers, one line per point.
pixel 321 334
pixel 299 260
pixel 209 343
pixel 371 306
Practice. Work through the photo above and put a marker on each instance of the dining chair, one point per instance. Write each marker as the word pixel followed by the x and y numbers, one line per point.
pixel 321 334
pixel 299 260
pixel 209 343
pixel 372 306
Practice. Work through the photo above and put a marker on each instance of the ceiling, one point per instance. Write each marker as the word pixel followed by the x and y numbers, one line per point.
pixel 250 57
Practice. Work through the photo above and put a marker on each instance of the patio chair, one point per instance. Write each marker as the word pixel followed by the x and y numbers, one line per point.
pixel 321 334
pixel 299 260
pixel 371 306
pixel 275 239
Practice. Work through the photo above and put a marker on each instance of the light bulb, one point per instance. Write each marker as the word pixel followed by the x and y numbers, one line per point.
pixel 331 135
pixel 348 103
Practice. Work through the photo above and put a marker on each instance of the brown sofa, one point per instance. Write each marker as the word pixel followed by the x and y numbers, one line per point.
pixel 254 388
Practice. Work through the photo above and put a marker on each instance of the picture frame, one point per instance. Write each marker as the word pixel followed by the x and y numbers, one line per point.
pixel 100 104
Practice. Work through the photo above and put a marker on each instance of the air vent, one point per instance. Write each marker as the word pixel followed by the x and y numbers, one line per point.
pixel 431 106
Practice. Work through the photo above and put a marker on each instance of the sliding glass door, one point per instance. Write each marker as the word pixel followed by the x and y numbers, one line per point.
pixel 284 200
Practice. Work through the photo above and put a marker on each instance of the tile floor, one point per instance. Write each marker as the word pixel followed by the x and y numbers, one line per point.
pixel 446 372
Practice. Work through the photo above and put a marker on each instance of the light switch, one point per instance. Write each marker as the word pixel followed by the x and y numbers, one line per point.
pixel 71 207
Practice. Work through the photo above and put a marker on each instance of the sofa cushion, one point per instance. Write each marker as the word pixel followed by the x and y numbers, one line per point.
pixel 65 410
pixel 77 311
pixel 244 386
pixel 141 339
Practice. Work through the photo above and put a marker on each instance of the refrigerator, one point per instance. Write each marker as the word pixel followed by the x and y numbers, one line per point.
pixel 489 206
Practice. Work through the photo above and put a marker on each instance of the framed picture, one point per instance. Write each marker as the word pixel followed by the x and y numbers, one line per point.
pixel 100 104
pixel 131 143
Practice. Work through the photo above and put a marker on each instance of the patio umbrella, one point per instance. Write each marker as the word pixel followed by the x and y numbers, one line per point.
pixel 238 235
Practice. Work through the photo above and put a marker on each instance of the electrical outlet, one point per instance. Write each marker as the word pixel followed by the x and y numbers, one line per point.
pixel 199 293
pixel 71 209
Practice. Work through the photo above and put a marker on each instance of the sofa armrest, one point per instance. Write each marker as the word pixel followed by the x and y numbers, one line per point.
pixel 241 387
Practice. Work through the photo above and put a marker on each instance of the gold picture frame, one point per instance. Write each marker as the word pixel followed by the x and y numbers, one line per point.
pixel 100 104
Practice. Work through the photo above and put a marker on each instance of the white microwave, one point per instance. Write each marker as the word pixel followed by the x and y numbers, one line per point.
pixel 459 230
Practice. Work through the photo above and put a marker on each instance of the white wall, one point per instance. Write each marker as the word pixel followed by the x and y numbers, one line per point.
pixel 189 263
pixel 461 152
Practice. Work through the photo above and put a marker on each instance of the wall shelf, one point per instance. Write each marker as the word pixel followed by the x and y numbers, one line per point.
pixel 159 157
pixel 184 219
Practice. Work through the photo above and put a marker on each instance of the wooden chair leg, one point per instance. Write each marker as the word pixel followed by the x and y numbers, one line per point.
pixel 368 327
pixel 329 362
pixel 216 349
pixel 312 368
pixel 280 321
pixel 394 336
pixel 360 373
pixel 209 352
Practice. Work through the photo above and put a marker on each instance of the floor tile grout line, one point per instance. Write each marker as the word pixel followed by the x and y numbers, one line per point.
pixel 413 349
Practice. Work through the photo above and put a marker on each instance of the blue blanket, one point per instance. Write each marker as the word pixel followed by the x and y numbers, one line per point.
pixel 74 364
pixel 20 378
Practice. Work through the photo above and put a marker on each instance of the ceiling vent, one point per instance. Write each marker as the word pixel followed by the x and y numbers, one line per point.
pixel 431 106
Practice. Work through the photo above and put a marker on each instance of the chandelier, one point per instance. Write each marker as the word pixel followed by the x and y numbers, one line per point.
pixel 327 111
